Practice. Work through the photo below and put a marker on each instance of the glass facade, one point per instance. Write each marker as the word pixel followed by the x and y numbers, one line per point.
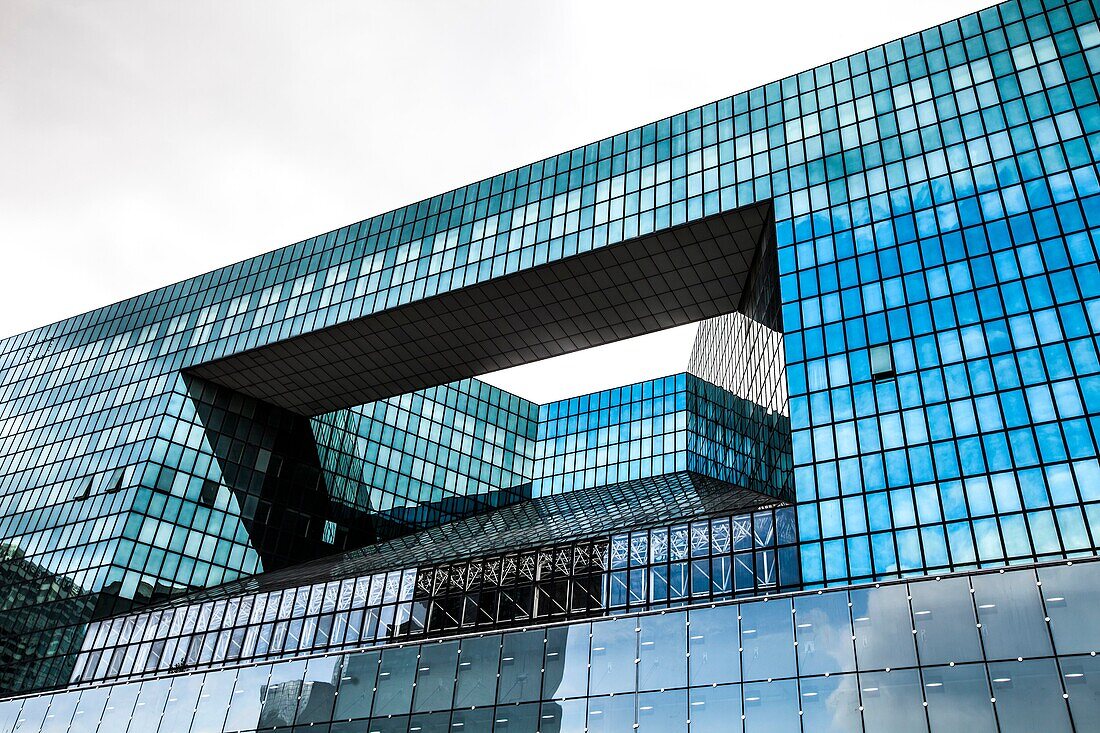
pixel 1010 650
pixel 696 561
pixel 234 497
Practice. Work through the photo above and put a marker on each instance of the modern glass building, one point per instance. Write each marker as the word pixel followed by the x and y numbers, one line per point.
pixel 277 497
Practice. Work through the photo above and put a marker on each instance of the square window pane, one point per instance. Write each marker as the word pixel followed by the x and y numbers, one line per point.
pixel 1081 676
pixel 563 716
pixel 663 712
pixel 248 692
pixel 1029 696
pixel 883 627
pixel 614 649
pixel 566 663
pixel 715 709
pixel 1072 597
pixel 521 667
pixel 771 706
pixel 662 651
pixel 478 663
pixel 396 673
pixel 611 714
pixel 358 675
pixel 959 698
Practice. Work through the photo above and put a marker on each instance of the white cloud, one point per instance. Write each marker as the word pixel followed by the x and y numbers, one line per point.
pixel 602 367
pixel 145 142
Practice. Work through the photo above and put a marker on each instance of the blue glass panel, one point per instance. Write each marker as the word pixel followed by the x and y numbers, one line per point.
pixel 824 632
pixel 771 706
pixel 1072 598
pixel 892 701
pixel 435 677
pixel 214 701
pixel 60 714
pixel 1081 677
pixel 663 712
pixel 715 709
pixel 154 693
pixel 358 676
pixel 33 713
pixel 662 652
pixel 422 723
pixel 713 643
pixel 1011 614
pixel 516 718
pixel 767 640
pixel 521 667
pixel 89 709
pixel 563 715
pixel 883 627
pixel 566 673
pixel 396 674
pixel 831 704
pixel 943 616
pixel 611 714
pixel 478 665
pixel 248 693
pixel 959 699
pixel 1029 696
pixel 614 649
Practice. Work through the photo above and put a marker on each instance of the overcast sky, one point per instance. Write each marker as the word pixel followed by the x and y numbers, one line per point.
pixel 145 142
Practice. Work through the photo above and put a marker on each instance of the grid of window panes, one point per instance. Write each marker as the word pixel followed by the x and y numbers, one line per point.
pixel 467 439
pixel 707 559
pixel 663 567
pixel 1011 650
pixel 417 451
pixel 352 612
pixel 660 426
pixel 737 440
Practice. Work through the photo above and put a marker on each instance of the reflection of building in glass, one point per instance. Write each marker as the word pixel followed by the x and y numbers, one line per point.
pixel 277 495
pixel 283 700
pixel 40 614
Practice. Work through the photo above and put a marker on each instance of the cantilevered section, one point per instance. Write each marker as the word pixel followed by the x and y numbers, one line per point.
pixel 691 272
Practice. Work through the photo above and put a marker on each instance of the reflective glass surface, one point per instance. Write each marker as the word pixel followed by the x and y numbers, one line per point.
pixel 208 490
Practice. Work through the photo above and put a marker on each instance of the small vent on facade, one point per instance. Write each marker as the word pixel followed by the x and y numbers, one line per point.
pixel 86 490
pixel 882 362
pixel 209 493
pixel 115 483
